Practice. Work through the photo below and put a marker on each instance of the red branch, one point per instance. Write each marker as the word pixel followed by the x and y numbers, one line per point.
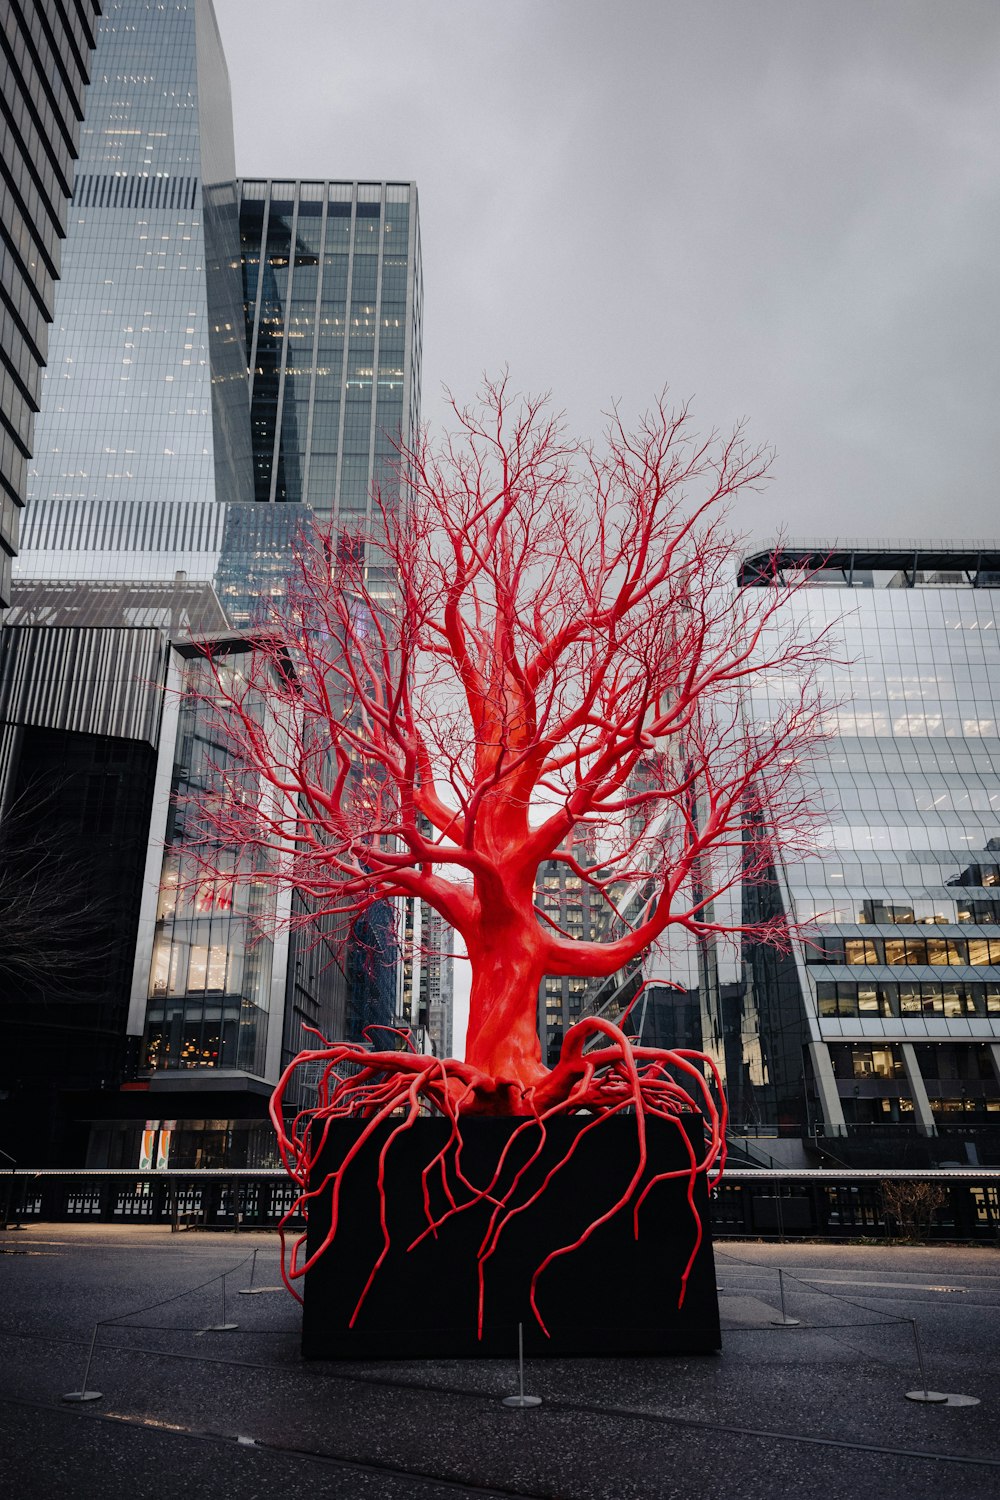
pixel 562 664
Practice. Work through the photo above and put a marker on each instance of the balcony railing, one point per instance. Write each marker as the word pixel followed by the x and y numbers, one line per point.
pixel 838 1203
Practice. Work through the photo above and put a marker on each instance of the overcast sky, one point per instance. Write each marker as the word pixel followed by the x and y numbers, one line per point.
pixel 785 209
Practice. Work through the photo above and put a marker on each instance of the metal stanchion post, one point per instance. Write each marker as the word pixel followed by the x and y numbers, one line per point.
pixel 246 1290
pixel 256 1291
pixel 521 1399
pixel 83 1394
pixel 938 1398
pixel 784 1321
pixel 222 1327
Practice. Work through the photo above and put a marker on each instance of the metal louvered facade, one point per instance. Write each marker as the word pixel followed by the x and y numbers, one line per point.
pixel 57 537
pixel 132 190
pixel 88 681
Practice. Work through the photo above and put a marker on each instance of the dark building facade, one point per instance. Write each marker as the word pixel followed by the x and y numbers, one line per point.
pixel 45 58
pixel 80 710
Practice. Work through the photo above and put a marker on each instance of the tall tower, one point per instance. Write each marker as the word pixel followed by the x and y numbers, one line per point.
pixel 45 56
pixel 143 424
pixel 333 306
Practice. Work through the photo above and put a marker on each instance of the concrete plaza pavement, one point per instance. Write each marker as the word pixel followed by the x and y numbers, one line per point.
pixel 793 1412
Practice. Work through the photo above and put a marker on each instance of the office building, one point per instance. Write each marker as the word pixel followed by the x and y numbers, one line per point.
pixel 890 1005
pixel 876 1039
pixel 437 982
pixel 45 52
pixel 142 457
pixel 82 668
pixel 210 995
pixel 569 905
pixel 143 435
pixel 425 1000
pixel 333 309
pixel 142 444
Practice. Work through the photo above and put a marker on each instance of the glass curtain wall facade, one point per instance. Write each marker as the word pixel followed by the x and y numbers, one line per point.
pixel 896 994
pixel 574 908
pixel 332 289
pixel 210 980
pixel 333 307
pixel 45 53
pixel 143 425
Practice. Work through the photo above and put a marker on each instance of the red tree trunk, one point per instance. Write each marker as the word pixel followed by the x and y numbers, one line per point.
pixel 507 962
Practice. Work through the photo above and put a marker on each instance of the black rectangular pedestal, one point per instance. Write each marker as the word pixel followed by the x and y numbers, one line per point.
pixel 615 1295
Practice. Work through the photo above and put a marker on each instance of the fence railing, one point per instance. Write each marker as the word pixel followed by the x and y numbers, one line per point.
pixel 205 1199
pixel 845 1204
pixel 961 1204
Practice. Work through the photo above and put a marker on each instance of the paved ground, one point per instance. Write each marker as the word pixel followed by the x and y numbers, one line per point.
pixel 813 1411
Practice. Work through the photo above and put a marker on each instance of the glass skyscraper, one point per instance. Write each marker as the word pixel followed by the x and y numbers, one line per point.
pixel 331 285
pixel 333 307
pixel 882 1028
pixel 333 300
pixel 143 433
pixel 45 51
pixel 877 1037
pixel 332 289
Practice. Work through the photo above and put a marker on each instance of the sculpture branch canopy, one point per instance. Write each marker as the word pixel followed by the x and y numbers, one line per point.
pixel 538 653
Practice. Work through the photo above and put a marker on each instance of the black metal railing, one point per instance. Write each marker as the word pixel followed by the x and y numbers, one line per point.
pixel 839 1203
pixel 203 1199
pixel 960 1204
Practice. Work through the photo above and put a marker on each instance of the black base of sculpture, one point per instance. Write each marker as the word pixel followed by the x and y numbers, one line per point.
pixel 615 1295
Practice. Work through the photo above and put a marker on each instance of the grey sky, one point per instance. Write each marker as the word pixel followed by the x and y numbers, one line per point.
pixel 786 209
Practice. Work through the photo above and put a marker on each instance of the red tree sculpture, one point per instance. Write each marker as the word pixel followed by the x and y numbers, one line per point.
pixel 540 640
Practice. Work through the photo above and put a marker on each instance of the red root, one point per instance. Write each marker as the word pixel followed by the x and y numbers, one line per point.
pixel 611 1078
